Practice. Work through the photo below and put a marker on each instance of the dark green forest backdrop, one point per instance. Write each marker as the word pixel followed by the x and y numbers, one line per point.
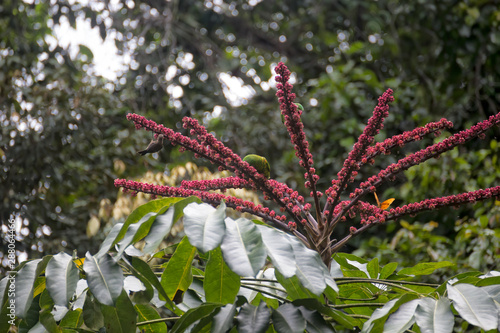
pixel 64 136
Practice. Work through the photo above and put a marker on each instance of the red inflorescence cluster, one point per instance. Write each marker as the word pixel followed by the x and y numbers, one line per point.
pixel 400 140
pixel 352 164
pixel 216 184
pixel 293 123
pixel 309 229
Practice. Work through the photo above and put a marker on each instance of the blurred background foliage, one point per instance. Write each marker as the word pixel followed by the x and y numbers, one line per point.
pixel 64 136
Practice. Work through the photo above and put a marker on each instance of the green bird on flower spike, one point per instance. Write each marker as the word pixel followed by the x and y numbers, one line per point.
pixel 259 163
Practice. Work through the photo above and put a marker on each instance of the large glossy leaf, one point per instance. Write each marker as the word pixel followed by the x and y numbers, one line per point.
pixel 279 250
pixel 493 291
pixel 242 247
pixel 147 313
pixel 177 276
pixel 403 318
pixel 45 316
pixel 159 229
pixel 220 284
pixel 377 315
pixel 72 319
pixel 137 230
pixel 288 319
pixel 315 323
pixel 145 214
pixel 92 314
pixel 434 316
pixel 223 320
pixel 425 268
pixel 294 287
pixel 253 319
pixel 25 281
pixel 474 305
pixel 121 318
pixel 142 271
pixel 31 322
pixel 204 225
pixel 104 277
pixel 108 242
pixel 337 316
pixel 193 315
pixel 61 278
pixel 309 267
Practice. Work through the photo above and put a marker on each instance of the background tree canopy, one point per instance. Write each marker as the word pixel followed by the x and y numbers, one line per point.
pixel 64 137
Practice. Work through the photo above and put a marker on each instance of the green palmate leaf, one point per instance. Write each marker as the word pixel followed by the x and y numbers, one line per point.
pixel 104 277
pixel 177 276
pixel 147 313
pixel 25 281
pixel 315 323
pixel 193 315
pixel 434 316
pixel 242 247
pixel 279 250
pixel 144 214
pixel 220 284
pixel 223 320
pixel 204 225
pixel 425 268
pixel 253 319
pixel 474 305
pixel 288 319
pixel 121 318
pixel 62 275
pixel 403 318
